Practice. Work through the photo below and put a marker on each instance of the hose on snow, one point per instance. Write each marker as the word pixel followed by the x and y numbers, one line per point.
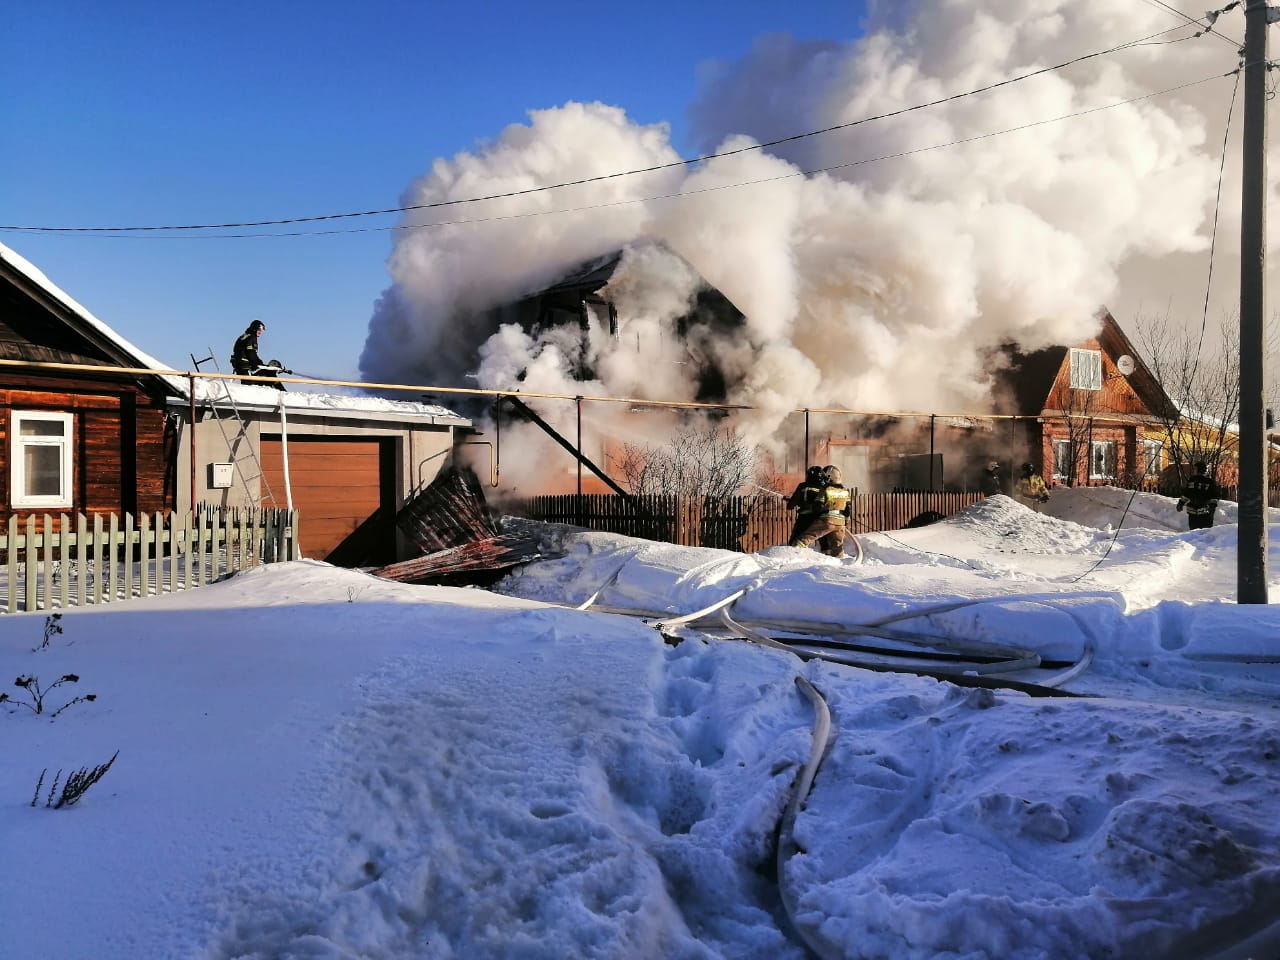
pixel 787 847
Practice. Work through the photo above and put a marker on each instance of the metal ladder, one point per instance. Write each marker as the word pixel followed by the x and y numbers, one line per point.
pixel 219 393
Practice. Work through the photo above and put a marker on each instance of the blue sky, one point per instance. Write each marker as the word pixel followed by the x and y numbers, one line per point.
pixel 141 113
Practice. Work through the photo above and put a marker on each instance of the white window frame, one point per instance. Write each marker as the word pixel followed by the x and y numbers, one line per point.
pixel 1062 455
pixel 17 475
pixel 1096 446
pixel 1152 457
pixel 1086 369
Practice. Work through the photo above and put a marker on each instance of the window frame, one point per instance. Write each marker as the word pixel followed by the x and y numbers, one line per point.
pixel 1086 369
pixel 1102 445
pixel 1152 457
pixel 1064 445
pixel 17 469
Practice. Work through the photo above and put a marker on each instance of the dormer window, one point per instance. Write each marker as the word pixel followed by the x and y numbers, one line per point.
pixel 1086 369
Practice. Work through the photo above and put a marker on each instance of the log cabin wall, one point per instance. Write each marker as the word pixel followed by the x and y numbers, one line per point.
pixel 120 443
pixel 121 446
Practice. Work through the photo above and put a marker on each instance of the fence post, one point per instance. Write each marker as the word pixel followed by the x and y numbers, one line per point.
pixel 156 522
pixel 46 563
pixel 164 546
pixel 31 564
pixel 11 556
pixel 235 540
pixel 188 551
pixel 113 563
pixel 254 544
pixel 65 563
pixel 268 535
pixel 127 556
pixel 197 553
pixel 216 519
pixel 144 556
pixel 97 557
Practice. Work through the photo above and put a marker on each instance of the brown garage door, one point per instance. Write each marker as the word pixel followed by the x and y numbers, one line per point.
pixel 343 491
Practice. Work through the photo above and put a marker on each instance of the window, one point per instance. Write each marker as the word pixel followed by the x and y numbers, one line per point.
pixel 1063 461
pixel 40 470
pixel 1086 369
pixel 1152 457
pixel 1102 460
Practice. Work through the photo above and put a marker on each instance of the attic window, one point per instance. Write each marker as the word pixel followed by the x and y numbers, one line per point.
pixel 40 464
pixel 1086 369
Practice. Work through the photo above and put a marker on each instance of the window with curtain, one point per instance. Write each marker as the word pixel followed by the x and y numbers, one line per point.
pixel 1086 369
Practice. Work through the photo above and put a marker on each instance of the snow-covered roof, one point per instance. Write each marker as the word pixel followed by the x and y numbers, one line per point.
pixel 22 265
pixel 252 396
pixel 248 396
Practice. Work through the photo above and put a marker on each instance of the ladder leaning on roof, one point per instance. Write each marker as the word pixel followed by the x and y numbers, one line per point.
pixel 219 393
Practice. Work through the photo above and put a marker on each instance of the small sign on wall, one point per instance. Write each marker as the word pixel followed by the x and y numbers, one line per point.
pixel 220 475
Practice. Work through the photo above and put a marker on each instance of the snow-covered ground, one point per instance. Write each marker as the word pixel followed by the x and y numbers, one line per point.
pixel 317 764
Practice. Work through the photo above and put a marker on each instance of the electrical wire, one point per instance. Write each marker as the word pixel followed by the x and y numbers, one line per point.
pixel 650 199
pixel 1211 16
pixel 608 176
pixel 1217 207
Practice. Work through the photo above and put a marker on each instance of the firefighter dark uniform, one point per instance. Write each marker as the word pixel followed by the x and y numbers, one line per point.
pixel 829 527
pixel 244 355
pixel 1200 497
pixel 806 500
pixel 245 359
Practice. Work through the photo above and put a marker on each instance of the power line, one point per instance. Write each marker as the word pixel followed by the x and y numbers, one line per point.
pixel 1217 205
pixel 1211 17
pixel 668 196
pixel 608 176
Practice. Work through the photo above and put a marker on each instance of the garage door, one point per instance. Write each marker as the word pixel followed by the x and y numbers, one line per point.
pixel 343 491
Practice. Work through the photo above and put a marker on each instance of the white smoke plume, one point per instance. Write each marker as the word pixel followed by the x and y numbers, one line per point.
pixel 871 284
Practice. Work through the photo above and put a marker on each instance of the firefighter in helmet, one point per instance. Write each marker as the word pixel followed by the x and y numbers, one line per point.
pixel 829 527
pixel 806 500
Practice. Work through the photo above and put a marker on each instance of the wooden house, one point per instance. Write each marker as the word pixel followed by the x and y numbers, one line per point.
pixel 83 440
pixel 581 302
pixel 1092 412
pixel 77 440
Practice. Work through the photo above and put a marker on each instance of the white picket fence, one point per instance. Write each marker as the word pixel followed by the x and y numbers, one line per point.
pixel 71 561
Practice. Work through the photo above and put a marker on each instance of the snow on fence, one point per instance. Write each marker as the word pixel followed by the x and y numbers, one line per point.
pixel 62 561
pixel 745 523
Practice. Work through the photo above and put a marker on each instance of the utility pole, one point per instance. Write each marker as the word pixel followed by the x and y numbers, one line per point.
pixel 1251 555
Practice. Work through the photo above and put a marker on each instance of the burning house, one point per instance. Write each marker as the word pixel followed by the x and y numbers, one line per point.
pixel 584 314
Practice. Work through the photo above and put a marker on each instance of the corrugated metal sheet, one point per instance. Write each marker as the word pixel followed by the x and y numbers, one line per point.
pixel 450 523
pixel 448 513
pixel 466 563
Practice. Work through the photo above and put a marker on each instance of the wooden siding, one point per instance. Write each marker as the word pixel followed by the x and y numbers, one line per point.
pixel 122 450
pixel 1116 398
pixel 27 334
pixel 342 489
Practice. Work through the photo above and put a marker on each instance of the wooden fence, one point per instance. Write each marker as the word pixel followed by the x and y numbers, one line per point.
pixel 732 523
pixel 59 561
